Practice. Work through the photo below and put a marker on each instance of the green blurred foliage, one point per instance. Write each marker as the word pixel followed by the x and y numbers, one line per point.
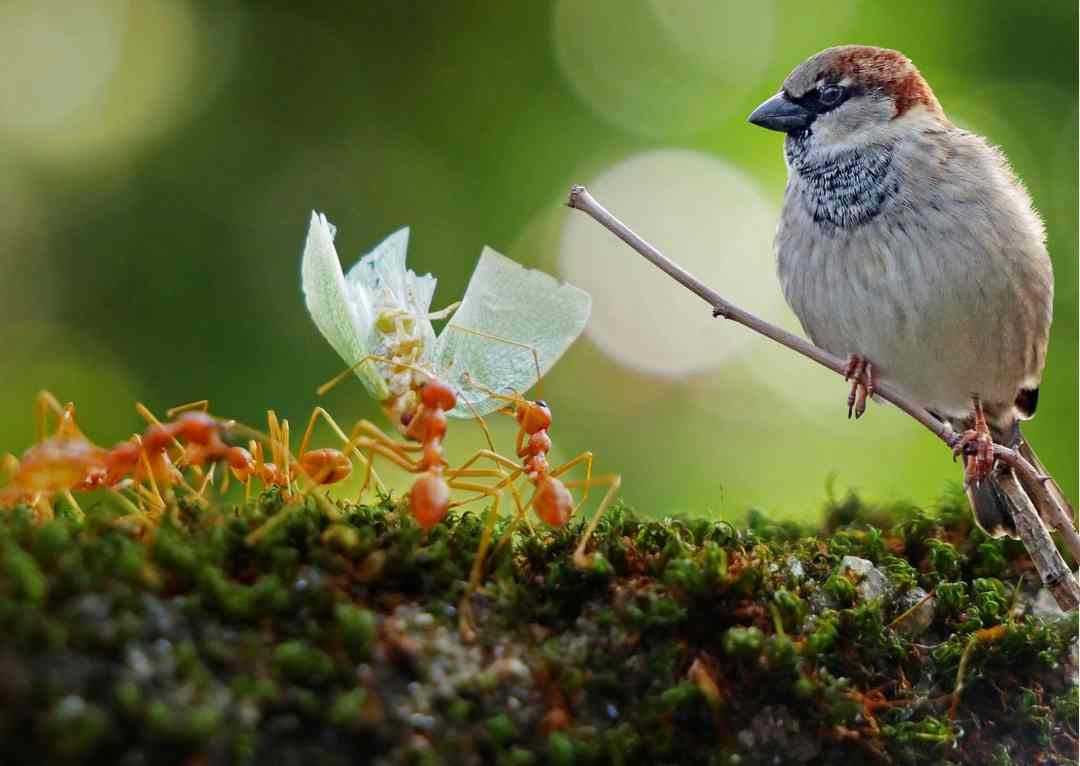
pixel 152 225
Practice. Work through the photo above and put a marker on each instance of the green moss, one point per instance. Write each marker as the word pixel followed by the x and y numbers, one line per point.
pixel 301 663
pixel 685 642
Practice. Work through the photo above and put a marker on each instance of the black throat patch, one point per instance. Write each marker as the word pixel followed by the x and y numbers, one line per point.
pixel 846 190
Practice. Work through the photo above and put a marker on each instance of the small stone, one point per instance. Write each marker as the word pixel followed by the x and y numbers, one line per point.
pixel 872 583
pixel 919 620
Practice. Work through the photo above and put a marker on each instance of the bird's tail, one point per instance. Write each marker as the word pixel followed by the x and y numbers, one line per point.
pixel 992 500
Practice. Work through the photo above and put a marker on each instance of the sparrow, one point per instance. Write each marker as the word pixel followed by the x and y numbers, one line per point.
pixel 908 246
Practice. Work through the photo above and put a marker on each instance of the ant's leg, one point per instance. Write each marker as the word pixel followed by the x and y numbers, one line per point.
pixel 483 423
pixel 337 379
pixel 478 473
pixel 491 455
pixel 311 427
pixel 44 507
pixel 395 456
pixel 66 427
pixel 286 457
pixel 370 458
pixel 151 418
pixel 156 494
pixel 207 481
pixel 74 504
pixel 202 405
pixel 45 403
pixel 154 504
pixel 507 341
pixel 584 457
pixel 365 428
pixel 444 313
pixel 521 514
pixel 467 626
pixel 484 491
pixel 499 460
pixel 274 429
pixel 614 481
pixel 375 436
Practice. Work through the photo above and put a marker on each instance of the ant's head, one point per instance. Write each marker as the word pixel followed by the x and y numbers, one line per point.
pixel 533 416
pixel 437 395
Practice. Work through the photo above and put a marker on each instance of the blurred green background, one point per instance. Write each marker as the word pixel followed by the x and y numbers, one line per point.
pixel 159 160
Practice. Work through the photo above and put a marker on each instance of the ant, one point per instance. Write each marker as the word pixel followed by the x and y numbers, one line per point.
pixel 54 465
pixel 430 496
pixel 420 414
pixel 68 461
pixel 205 445
pixel 551 498
pixel 317 467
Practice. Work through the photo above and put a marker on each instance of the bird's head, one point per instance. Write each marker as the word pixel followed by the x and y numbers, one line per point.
pixel 849 96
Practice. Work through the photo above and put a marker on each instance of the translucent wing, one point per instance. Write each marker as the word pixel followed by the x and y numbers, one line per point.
pixel 383 279
pixel 383 267
pixel 506 300
pixel 342 315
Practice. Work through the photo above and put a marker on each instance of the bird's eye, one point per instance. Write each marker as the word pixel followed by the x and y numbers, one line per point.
pixel 831 95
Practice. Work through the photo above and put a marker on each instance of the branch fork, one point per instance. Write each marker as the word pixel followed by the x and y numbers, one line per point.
pixel 1030 527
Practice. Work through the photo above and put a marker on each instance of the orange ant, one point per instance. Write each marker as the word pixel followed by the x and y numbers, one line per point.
pixel 430 496
pixel 56 464
pixel 205 445
pixel 551 498
pixel 68 461
pixel 317 467
pixel 421 415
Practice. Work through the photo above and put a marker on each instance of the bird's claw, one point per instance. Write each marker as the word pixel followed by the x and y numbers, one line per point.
pixel 977 444
pixel 861 374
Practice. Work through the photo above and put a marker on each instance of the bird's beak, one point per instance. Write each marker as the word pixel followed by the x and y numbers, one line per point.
pixel 780 113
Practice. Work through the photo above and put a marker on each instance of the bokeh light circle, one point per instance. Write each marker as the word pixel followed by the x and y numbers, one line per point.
pixel 702 212
pixel 80 78
pixel 720 38
pixel 661 69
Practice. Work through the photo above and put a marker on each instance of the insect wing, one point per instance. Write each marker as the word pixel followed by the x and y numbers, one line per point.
pixel 343 317
pixel 512 303
pixel 383 279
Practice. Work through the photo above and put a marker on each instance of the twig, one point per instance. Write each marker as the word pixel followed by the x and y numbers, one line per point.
pixel 1040 545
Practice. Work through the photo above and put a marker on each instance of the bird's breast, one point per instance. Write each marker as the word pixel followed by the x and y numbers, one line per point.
pixel 846 190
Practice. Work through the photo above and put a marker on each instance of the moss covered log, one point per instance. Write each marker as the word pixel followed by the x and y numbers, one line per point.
pixel 893 636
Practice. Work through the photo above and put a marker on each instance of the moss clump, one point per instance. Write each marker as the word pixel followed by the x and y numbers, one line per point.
pixel 894 636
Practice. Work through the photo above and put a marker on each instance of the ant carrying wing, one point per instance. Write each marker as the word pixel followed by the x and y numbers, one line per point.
pixel 517 322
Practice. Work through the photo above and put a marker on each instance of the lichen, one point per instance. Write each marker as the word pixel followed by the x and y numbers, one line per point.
pixel 895 635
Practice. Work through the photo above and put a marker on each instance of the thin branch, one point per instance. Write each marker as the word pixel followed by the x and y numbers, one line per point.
pixel 1040 545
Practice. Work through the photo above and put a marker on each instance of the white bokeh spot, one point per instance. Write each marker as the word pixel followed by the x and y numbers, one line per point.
pixel 700 211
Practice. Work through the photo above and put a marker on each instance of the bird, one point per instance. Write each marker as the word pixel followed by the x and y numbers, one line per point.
pixel 908 246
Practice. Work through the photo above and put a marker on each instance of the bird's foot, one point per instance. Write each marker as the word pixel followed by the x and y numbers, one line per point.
pixel 861 374
pixel 978 447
